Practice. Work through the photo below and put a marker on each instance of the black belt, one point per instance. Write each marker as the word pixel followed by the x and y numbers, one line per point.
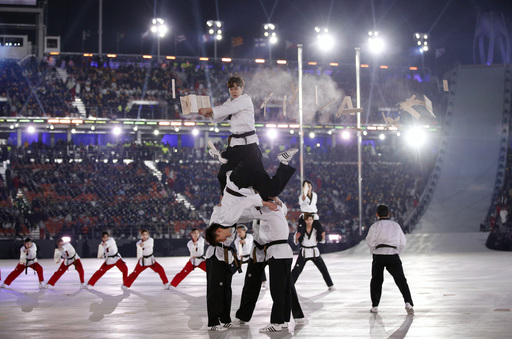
pixel 235 193
pixel 239 136
pixel 115 255
pixel 265 247
pixel 243 135
pixel 144 257
pixel 384 245
pixel 26 264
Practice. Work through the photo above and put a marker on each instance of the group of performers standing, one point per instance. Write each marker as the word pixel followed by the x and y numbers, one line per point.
pixel 249 194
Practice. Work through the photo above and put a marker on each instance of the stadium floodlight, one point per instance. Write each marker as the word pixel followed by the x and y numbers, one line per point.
pixel 272 134
pixel 324 39
pixel 375 42
pixel 195 132
pixel 269 32
pixel 422 41
pixel 382 136
pixel 311 135
pixel 214 29
pixel 116 130
pixel 345 135
pixel 156 132
pixel 416 137
pixel 160 29
pixel 31 129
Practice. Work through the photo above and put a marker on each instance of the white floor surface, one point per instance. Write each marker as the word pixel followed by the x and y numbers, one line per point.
pixel 460 290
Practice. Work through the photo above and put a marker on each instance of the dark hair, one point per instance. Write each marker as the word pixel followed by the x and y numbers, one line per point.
pixel 308 215
pixel 210 234
pixel 382 211
pixel 59 240
pixel 144 230
pixel 307 181
pixel 194 229
pixel 236 80
pixel 28 240
pixel 104 233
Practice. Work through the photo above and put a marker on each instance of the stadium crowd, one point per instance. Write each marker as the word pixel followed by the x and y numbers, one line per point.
pixel 108 87
pixel 87 194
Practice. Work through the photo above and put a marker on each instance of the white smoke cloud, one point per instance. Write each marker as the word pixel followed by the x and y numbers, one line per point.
pixel 281 83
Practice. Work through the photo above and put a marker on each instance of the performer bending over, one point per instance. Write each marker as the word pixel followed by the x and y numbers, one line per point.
pixel 309 251
pixel 108 250
pixel 28 258
pixel 196 249
pixel 67 252
pixel 146 259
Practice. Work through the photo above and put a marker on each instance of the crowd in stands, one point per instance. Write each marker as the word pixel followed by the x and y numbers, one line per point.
pixel 108 87
pixel 87 194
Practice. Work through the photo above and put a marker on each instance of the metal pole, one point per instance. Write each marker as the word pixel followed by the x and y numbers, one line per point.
pixel 215 47
pixel 301 134
pixel 100 29
pixel 359 139
pixel 158 46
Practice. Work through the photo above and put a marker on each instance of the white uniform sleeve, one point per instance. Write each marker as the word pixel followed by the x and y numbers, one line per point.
pixel 237 105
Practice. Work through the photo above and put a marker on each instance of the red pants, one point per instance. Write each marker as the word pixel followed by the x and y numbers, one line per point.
pixel 185 271
pixel 20 268
pixel 138 270
pixel 104 268
pixel 63 268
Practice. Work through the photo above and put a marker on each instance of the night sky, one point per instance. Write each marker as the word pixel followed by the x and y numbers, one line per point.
pixel 451 25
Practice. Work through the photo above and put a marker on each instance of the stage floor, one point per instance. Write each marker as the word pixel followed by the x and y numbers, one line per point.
pixel 460 290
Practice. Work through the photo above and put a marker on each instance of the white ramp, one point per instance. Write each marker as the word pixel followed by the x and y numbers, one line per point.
pixel 471 153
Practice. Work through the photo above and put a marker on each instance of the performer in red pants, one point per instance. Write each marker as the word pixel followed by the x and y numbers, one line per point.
pixel 67 252
pixel 108 250
pixel 196 248
pixel 28 258
pixel 146 259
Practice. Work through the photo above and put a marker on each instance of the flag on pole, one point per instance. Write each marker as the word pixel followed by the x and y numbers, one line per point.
pixel 180 38
pixel 237 41
pixel 260 42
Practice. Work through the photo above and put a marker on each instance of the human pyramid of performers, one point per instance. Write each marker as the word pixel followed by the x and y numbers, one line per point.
pixel 249 194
